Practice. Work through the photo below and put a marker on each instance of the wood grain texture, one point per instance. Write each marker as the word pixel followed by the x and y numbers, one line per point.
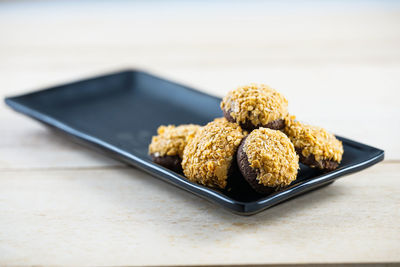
pixel 337 62
pixel 124 217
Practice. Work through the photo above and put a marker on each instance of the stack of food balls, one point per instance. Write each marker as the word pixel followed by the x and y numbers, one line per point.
pixel 257 135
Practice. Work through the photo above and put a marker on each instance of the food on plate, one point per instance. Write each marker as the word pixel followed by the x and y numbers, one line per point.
pixel 315 146
pixel 256 138
pixel 209 156
pixel 267 160
pixel 166 148
pixel 255 105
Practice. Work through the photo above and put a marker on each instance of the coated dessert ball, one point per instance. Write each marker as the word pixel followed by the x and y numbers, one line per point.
pixel 267 160
pixel 208 157
pixel 255 105
pixel 315 146
pixel 166 148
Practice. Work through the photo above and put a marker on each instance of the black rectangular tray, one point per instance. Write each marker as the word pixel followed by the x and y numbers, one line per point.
pixel 120 112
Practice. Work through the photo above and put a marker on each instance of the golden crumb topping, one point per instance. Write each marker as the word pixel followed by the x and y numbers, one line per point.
pixel 313 140
pixel 272 154
pixel 171 140
pixel 208 156
pixel 220 120
pixel 257 103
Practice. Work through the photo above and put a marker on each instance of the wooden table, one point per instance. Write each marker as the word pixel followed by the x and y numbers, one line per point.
pixel 338 64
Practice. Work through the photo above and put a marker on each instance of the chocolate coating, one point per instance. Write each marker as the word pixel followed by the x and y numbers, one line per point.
pixel 250 174
pixel 278 124
pixel 327 165
pixel 170 162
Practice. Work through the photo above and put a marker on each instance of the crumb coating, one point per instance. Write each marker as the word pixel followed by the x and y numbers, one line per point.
pixel 313 140
pixel 171 140
pixel 257 103
pixel 273 156
pixel 207 158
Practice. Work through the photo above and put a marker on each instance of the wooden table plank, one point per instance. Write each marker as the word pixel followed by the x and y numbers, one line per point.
pixel 124 217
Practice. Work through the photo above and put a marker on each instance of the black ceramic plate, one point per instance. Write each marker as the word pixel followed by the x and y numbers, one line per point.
pixel 119 113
